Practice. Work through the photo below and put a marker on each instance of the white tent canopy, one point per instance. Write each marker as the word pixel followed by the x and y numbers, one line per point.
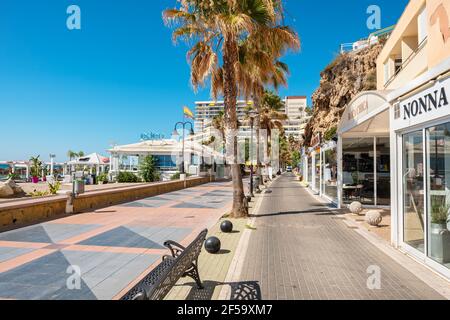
pixel 94 159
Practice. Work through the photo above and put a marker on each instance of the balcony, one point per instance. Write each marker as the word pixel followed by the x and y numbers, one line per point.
pixel 412 67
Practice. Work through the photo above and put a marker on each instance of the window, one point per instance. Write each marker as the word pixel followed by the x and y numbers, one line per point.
pixel 329 171
pixel 358 170
pixel 398 62
pixel 438 149
pixel 413 190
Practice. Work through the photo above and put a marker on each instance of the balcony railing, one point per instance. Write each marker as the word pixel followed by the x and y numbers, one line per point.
pixel 406 62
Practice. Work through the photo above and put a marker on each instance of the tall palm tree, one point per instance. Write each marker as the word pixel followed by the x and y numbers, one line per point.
pixel 71 155
pixel 272 117
pixel 260 67
pixel 215 28
pixel 218 123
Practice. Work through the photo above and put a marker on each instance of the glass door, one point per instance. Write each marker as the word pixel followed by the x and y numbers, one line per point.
pixel 438 167
pixel 413 190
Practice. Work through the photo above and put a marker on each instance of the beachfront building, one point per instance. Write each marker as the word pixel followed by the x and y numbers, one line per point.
pixel 21 169
pixel 415 65
pixel 94 163
pixel 168 155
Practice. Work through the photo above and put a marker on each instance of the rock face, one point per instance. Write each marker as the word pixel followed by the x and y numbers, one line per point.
pixel 349 74
pixel 9 189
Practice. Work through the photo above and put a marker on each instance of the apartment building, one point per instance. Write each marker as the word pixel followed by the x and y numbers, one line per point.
pixel 295 109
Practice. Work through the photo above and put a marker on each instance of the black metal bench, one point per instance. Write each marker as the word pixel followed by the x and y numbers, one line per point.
pixel 183 262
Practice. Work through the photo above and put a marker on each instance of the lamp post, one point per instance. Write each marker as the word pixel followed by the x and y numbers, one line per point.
pixel 202 165
pixel 52 160
pixel 252 114
pixel 175 134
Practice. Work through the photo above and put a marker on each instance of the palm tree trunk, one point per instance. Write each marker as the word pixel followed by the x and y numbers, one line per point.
pixel 230 58
pixel 257 101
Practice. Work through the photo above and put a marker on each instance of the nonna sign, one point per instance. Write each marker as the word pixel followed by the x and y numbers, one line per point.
pixel 427 105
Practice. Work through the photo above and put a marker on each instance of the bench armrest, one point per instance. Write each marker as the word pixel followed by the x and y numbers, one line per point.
pixel 174 247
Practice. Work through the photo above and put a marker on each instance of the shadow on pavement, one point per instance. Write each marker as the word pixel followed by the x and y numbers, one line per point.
pixel 313 211
pixel 245 290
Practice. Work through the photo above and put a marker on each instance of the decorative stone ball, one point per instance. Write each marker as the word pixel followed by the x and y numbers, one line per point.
pixel 226 226
pixel 374 218
pixel 212 245
pixel 355 207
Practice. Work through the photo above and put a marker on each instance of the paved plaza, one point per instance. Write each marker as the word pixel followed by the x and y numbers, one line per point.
pixel 302 250
pixel 113 247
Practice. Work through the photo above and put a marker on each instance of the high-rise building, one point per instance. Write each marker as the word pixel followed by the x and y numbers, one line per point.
pixel 295 109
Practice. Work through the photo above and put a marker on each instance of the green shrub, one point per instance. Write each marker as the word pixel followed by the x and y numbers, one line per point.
pixel 54 187
pixel 330 134
pixel 176 176
pixel 103 177
pixel 127 177
pixel 148 170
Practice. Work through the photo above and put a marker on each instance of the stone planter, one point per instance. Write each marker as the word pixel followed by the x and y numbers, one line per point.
pixel 440 242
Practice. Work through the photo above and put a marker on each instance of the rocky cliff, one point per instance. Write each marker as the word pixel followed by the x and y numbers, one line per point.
pixel 349 74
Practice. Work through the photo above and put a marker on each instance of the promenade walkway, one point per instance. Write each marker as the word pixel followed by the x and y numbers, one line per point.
pixel 301 250
pixel 111 248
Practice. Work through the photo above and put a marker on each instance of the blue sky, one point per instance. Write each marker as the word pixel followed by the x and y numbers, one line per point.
pixel 121 75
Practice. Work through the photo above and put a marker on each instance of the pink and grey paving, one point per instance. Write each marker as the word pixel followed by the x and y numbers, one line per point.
pixel 112 248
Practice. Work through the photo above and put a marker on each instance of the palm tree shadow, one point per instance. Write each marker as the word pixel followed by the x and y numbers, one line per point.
pixel 244 290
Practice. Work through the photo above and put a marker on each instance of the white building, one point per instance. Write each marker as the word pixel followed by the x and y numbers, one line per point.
pixel 295 109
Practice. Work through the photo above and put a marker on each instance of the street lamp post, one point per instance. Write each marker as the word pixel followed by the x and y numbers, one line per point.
pixel 175 134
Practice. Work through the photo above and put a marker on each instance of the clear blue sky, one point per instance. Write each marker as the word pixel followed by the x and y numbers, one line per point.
pixel 121 75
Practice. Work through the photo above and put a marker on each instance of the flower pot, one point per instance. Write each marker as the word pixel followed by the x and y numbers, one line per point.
pixel 35 179
pixel 439 242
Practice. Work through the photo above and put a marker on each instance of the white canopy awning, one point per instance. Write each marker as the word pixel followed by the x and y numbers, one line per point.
pixel 93 159
pixel 368 112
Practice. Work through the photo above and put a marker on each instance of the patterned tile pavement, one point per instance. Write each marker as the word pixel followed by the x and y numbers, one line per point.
pixel 300 250
pixel 113 248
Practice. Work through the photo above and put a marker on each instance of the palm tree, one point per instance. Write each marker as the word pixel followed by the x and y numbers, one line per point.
pixel 215 28
pixel 80 154
pixel 259 67
pixel 272 117
pixel 218 123
pixel 71 155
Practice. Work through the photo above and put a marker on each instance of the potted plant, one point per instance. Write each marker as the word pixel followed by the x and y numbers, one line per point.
pixel 35 170
pixel 439 233
pixel 102 178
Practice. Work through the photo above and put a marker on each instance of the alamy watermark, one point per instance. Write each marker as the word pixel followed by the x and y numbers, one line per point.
pixel 374 19
pixel 73 21
pixel 374 279
pixel 73 281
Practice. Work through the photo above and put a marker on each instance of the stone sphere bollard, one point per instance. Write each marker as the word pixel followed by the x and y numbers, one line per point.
pixel 212 245
pixel 226 226
pixel 374 218
pixel 355 207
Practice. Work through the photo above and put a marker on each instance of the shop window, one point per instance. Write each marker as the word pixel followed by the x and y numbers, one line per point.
pixel 329 171
pixel 438 149
pixel 383 171
pixel 358 170
pixel 413 190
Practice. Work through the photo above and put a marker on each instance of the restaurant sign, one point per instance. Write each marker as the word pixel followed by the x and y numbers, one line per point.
pixel 428 104
pixel 150 136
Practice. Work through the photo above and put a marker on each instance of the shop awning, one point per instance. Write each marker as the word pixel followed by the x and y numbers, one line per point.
pixel 368 112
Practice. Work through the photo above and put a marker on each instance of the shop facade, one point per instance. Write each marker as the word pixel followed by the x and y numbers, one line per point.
pixel 415 66
pixel 421 148
pixel 363 151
